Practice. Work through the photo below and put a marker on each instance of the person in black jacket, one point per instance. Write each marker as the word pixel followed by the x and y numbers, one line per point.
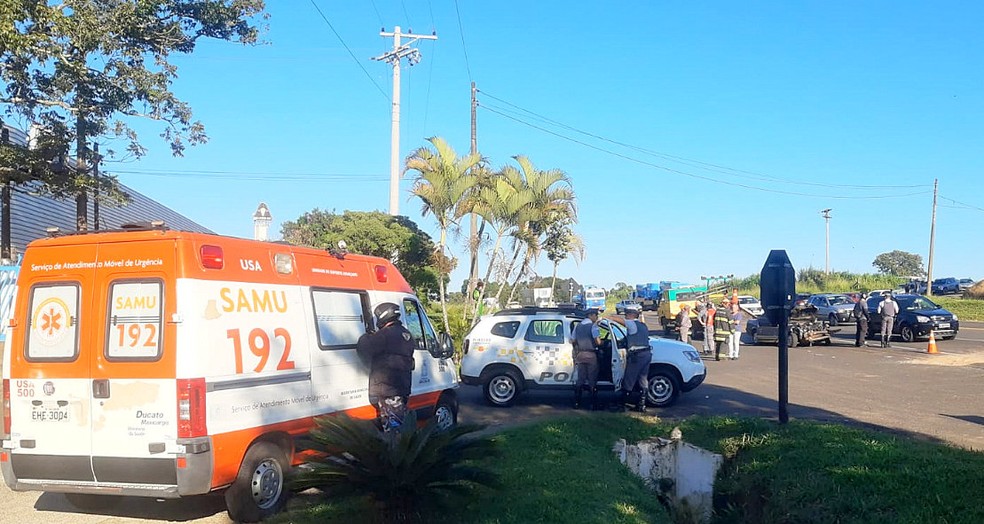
pixel 390 354
pixel 862 316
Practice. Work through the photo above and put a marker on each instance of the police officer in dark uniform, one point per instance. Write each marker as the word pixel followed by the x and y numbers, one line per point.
pixel 862 316
pixel 390 354
pixel 639 358
pixel 587 342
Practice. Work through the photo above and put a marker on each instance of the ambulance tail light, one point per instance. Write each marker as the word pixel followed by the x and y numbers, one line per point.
pixel 212 257
pixel 6 408
pixel 381 275
pixel 191 408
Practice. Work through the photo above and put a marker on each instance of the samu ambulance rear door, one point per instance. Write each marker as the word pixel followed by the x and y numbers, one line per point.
pixel 134 392
pixel 50 389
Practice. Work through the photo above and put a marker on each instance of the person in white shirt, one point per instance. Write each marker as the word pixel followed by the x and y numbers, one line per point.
pixel 888 309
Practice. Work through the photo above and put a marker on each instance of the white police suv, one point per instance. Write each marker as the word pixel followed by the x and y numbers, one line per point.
pixel 530 348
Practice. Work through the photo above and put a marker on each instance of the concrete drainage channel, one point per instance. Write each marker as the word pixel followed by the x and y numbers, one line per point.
pixel 681 473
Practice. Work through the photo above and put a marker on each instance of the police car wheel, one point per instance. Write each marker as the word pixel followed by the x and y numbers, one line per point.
pixel 445 416
pixel 663 388
pixel 259 490
pixel 907 333
pixel 501 388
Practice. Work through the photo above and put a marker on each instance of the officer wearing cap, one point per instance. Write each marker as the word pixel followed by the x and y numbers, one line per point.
pixel 389 351
pixel 862 316
pixel 639 358
pixel 587 342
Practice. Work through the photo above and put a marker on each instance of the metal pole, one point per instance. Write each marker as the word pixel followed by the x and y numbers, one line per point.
pixel 932 241
pixel 5 253
pixel 826 219
pixel 784 369
pixel 95 191
pixel 394 207
pixel 399 52
pixel 473 233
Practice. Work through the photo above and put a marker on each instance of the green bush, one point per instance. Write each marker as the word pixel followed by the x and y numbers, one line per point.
pixel 398 475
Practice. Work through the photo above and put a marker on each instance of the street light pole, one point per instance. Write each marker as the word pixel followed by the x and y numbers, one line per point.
pixel 826 219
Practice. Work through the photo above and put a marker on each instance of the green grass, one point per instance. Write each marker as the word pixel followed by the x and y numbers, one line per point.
pixel 563 470
pixel 965 308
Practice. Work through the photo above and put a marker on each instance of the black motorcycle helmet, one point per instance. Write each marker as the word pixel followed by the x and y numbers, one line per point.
pixel 386 313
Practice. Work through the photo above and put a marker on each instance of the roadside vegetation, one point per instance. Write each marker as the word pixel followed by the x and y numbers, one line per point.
pixel 564 470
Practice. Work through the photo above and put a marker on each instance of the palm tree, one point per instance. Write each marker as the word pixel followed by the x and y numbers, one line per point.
pixel 552 199
pixel 502 203
pixel 442 184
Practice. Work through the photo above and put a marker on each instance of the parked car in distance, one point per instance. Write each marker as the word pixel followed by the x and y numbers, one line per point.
pixel 620 307
pixel 751 304
pixel 836 308
pixel 946 286
pixel 801 299
pixel 918 316
pixel 965 284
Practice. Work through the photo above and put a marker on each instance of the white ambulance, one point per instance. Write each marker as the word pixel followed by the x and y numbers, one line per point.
pixel 158 363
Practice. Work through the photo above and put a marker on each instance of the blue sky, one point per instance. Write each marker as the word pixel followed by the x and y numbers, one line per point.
pixel 744 121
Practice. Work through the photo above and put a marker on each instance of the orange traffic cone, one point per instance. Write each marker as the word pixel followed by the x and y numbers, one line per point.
pixel 932 344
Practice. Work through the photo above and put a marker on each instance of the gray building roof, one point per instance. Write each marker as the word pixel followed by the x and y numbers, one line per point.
pixel 31 213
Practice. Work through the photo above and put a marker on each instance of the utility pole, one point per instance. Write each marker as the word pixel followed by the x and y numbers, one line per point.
pixel 932 241
pixel 400 51
pixel 826 219
pixel 95 191
pixel 473 230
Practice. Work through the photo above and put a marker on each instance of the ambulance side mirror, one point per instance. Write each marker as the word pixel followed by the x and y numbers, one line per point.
pixel 445 347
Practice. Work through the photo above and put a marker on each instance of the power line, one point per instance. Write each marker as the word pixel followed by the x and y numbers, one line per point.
pixel 691 162
pixel 692 175
pixel 379 16
pixel 406 14
pixel 240 175
pixel 961 205
pixel 462 33
pixel 371 79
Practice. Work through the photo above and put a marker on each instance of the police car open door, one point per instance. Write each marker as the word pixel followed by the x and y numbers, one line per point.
pixel 620 345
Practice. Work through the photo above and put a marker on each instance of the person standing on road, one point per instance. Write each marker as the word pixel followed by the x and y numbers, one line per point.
pixel 709 327
pixel 685 324
pixel 639 358
pixel 587 341
pixel 723 328
pixel 390 353
pixel 862 316
pixel 734 345
pixel 888 309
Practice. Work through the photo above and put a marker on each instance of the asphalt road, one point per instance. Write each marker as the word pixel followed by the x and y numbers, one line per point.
pixel 901 389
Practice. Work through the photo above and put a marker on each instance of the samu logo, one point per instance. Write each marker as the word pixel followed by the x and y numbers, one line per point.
pixel 250 265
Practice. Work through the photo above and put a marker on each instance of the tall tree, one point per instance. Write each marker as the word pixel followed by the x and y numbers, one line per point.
pixel 502 203
pixel 96 64
pixel 899 263
pixel 397 239
pixel 560 242
pixel 442 184
pixel 551 199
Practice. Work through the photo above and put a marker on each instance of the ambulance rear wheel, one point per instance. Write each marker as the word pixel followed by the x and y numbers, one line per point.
pixel 259 490
pixel 97 503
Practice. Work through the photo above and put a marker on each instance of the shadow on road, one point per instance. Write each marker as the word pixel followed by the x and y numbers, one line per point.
pixel 180 510
pixel 707 400
pixel 973 419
